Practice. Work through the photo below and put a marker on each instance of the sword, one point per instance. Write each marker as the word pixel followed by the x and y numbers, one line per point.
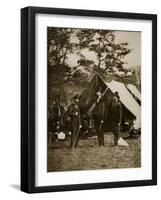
pixel 75 139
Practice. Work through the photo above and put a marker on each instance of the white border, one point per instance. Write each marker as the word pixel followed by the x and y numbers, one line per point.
pixel 60 178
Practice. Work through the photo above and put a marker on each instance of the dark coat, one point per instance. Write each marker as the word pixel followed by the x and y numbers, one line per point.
pixel 116 116
pixel 116 113
pixel 74 112
pixel 75 115
pixel 99 111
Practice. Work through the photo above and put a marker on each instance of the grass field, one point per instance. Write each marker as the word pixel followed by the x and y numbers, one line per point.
pixel 90 156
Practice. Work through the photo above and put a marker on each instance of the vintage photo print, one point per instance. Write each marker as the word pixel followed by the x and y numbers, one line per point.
pixel 94 99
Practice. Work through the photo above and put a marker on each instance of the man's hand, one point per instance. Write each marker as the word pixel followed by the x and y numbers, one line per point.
pixel 80 126
pixel 102 121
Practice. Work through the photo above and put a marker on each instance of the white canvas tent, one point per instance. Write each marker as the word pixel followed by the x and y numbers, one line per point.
pixel 134 91
pixel 127 100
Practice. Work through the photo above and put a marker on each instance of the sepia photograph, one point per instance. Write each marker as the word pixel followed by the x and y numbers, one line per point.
pixel 94 99
pixel 88 99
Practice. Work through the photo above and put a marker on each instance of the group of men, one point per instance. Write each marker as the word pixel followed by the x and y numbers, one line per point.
pixel 97 112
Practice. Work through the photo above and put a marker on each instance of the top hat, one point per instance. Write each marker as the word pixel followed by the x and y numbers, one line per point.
pixel 76 96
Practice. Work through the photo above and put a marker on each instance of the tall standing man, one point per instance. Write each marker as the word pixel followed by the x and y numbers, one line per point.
pixel 98 115
pixel 75 115
pixel 116 116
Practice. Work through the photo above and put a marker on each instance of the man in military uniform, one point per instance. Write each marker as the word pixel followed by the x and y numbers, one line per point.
pixel 116 116
pixel 74 113
pixel 98 115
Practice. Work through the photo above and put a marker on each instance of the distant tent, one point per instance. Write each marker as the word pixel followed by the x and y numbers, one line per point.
pixel 131 109
pixel 136 77
pixel 135 92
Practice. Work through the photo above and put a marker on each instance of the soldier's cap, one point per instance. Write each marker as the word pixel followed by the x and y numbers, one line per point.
pixel 76 96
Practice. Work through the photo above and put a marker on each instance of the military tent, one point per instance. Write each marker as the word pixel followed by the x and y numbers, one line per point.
pixel 136 77
pixel 135 92
pixel 89 94
pixel 131 109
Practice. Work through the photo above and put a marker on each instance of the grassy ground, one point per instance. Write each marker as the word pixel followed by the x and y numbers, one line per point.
pixel 90 156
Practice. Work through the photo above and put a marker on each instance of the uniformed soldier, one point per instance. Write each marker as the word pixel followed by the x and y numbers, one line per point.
pixel 116 116
pixel 75 115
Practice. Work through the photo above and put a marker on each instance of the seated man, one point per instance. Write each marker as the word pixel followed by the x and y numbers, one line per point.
pixel 132 132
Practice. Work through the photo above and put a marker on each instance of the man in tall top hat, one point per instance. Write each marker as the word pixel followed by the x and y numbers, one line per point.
pixel 98 115
pixel 75 115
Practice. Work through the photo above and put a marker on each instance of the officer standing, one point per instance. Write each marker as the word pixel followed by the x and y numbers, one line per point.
pixel 116 116
pixel 75 115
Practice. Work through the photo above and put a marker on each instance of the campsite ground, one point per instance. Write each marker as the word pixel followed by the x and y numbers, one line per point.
pixel 90 156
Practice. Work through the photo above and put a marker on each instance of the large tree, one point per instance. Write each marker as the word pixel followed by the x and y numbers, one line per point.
pixel 59 47
pixel 102 43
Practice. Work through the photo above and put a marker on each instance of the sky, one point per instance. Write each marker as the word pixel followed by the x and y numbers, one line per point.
pixel 134 42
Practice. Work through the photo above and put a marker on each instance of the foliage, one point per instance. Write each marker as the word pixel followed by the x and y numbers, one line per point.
pixel 63 42
pixel 102 43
